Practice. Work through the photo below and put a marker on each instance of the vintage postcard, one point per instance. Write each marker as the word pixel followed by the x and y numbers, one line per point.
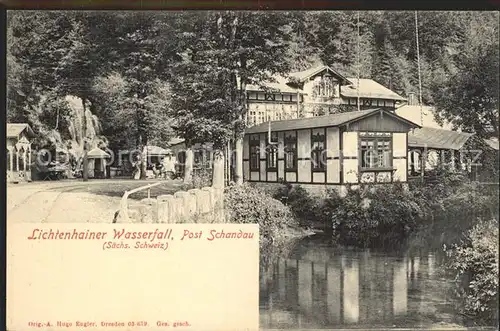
pixel 246 170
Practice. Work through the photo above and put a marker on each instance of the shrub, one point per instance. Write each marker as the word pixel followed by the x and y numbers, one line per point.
pixel 247 204
pixel 368 214
pixel 202 178
pixel 475 262
pixel 305 207
pixel 447 204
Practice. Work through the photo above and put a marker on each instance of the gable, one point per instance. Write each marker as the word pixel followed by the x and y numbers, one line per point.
pixel 327 73
pixel 14 130
pixel 382 121
pixel 303 76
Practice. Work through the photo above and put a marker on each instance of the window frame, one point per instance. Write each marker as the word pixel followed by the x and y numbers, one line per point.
pixel 254 144
pixel 287 140
pixel 318 138
pixel 272 149
pixel 377 141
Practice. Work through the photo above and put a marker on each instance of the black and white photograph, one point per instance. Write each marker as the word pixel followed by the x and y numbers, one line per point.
pixel 364 143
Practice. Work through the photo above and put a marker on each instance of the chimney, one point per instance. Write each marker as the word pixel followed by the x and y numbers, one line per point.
pixel 412 99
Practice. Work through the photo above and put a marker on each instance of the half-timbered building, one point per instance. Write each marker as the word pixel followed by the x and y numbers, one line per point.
pixel 367 146
pixel 315 92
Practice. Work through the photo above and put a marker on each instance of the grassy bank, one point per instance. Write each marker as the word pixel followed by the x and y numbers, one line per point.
pixel 279 227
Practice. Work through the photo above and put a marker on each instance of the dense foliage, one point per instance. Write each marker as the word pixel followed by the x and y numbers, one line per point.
pixel 305 207
pixel 247 204
pixel 449 212
pixel 368 215
pixel 128 66
pixel 475 263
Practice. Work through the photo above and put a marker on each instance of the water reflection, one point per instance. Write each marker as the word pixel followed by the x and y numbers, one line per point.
pixel 322 286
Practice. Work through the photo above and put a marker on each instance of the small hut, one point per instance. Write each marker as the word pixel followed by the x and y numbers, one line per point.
pixel 97 163
pixel 19 153
pixel 155 155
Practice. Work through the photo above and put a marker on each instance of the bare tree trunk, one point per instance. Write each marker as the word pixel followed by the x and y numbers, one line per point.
pixel 85 169
pixel 218 170
pixel 85 162
pixel 238 166
pixel 144 162
pixel 238 162
pixel 188 166
pixel 142 157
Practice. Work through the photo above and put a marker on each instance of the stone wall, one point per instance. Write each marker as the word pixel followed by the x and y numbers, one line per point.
pixel 204 205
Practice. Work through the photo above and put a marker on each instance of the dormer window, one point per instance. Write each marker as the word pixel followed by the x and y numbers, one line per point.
pixel 326 87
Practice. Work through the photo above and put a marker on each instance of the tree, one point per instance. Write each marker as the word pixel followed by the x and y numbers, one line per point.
pixel 337 40
pixel 302 51
pixel 469 98
pixel 227 51
pixel 142 61
pixel 200 104
pixel 64 53
pixel 52 52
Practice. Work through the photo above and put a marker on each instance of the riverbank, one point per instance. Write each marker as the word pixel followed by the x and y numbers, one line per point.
pixel 452 214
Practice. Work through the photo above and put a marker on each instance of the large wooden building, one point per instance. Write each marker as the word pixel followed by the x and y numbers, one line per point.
pixel 367 146
pixel 315 92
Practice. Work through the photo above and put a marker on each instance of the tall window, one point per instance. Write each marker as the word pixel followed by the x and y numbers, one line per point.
pixel 272 153
pixel 376 152
pixel 325 87
pixel 261 118
pixel 318 151
pixel 290 151
pixel 252 118
pixel 254 152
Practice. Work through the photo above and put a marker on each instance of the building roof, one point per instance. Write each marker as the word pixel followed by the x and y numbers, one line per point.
pixel 175 141
pixel 301 76
pixel 437 138
pixel 280 85
pixel 413 113
pixel 320 121
pixel 15 129
pixel 492 142
pixel 98 153
pixel 368 88
pixel 156 150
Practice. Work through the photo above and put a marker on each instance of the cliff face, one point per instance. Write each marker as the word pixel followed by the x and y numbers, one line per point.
pixel 83 125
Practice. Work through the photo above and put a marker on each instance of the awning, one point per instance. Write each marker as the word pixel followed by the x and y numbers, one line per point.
pixel 156 150
pixel 98 153
pixel 437 138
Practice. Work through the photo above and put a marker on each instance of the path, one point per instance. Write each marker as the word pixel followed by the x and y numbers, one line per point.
pixel 69 201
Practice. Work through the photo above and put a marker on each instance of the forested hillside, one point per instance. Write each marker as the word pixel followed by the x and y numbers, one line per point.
pixel 136 71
